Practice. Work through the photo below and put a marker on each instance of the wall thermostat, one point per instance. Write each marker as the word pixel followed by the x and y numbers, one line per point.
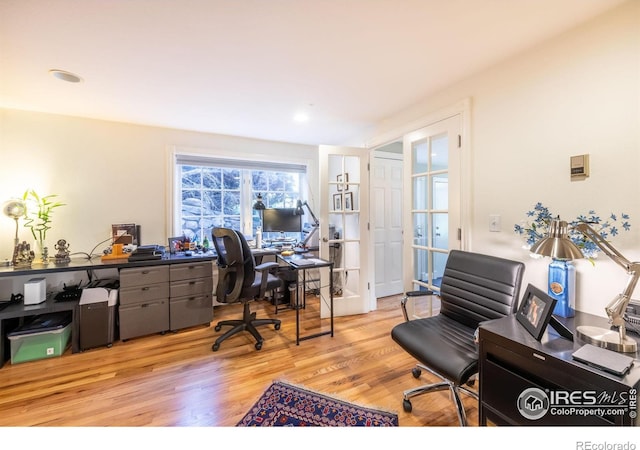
pixel 579 167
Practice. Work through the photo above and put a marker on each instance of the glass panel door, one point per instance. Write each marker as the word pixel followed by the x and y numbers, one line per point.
pixel 432 210
pixel 344 225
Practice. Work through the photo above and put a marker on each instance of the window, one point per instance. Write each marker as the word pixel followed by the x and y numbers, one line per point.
pixel 221 192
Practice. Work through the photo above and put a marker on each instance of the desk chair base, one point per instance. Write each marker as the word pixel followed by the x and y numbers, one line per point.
pixel 441 386
pixel 247 323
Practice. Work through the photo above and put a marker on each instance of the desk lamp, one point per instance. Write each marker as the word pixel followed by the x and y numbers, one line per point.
pixel 316 223
pixel 557 245
pixel 259 206
pixel 15 209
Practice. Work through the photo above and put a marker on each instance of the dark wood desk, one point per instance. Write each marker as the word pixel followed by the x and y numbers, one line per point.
pixel 294 262
pixel 14 314
pixel 512 362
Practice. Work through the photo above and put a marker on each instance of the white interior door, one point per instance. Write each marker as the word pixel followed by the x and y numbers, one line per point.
pixel 386 212
pixel 344 227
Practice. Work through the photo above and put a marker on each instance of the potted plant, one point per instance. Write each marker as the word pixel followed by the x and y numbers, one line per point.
pixel 38 217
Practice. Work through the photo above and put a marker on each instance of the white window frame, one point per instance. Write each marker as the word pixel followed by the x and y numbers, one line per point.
pixel 179 156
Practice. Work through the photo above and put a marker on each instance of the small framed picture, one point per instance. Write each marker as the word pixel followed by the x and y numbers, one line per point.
pixel 348 201
pixel 176 244
pixel 337 202
pixel 343 180
pixel 535 311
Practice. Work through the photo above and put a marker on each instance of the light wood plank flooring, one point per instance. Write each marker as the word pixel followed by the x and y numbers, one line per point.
pixel 176 379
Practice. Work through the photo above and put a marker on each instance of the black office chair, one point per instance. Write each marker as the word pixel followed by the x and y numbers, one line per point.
pixel 474 288
pixel 240 280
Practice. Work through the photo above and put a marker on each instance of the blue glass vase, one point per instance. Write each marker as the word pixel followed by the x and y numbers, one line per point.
pixel 562 287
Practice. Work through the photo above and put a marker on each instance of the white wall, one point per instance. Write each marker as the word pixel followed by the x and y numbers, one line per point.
pixel 107 172
pixel 578 93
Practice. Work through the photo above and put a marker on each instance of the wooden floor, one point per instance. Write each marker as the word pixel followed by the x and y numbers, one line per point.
pixel 176 379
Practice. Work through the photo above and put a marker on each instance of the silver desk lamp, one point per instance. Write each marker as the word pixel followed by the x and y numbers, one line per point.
pixel 316 223
pixel 558 245
pixel 15 209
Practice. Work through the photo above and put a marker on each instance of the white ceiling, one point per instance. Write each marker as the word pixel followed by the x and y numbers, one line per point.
pixel 245 67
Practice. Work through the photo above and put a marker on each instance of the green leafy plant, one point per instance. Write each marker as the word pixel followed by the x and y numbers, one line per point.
pixel 38 213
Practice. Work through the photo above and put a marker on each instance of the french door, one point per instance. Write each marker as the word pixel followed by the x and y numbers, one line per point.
pixel 344 227
pixel 432 205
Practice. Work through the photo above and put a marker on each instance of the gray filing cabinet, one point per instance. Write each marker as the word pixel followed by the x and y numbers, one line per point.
pixel 144 301
pixel 191 294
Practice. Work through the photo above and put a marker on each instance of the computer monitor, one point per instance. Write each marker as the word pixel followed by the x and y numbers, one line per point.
pixel 281 220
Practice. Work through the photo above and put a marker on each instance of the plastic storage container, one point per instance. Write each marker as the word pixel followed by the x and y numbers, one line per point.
pixel 44 336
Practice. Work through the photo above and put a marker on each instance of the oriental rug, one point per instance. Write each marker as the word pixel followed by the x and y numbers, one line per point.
pixel 287 405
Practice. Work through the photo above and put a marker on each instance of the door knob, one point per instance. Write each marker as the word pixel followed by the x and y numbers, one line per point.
pixel 324 239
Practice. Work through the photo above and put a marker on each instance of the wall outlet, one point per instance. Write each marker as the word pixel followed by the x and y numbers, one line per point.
pixel 494 222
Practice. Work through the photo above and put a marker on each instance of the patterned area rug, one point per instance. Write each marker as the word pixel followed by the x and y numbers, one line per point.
pixel 286 405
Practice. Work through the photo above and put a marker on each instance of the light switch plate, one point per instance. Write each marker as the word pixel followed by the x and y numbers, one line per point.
pixel 494 222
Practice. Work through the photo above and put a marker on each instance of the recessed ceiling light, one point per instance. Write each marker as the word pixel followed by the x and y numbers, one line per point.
pixel 65 76
pixel 301 117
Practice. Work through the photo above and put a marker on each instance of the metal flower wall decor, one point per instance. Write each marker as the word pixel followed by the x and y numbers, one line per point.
pixel 536 226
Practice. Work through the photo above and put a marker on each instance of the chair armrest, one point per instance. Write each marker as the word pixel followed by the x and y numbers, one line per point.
pixel 407 296
pixel 264 270
pixel 264 267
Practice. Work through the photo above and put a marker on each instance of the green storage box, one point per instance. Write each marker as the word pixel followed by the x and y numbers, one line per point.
pixel 44 336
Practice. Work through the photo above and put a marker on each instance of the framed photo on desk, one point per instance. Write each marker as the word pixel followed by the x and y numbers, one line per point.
pixel 535 311
pixel 176 244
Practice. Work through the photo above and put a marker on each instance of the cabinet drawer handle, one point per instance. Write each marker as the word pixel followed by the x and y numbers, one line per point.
pixel 147 305
pixel 192 282
pixel 146 288
pixel 535 355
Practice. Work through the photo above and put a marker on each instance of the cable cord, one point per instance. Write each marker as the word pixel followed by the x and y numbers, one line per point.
pixel 90 254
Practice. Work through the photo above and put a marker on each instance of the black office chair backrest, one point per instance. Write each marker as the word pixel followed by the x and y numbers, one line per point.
pixel 249 261
pixel 478 287
pixel 236 266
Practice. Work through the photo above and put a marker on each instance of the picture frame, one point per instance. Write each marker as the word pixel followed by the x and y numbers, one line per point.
pixel 125 233
pixel 337 202
pixel 176 244
pixel 348 201
pixel 535 311
pixel 343 180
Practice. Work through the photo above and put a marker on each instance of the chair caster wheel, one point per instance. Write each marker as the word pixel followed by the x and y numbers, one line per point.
pixel 406 405
pixel 416 372
pixel 217 328
pixel 258 345
pixel 277 326
pixel 215 347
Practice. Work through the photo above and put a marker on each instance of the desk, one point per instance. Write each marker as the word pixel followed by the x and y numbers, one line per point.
pixel 181 288
pixel 295 263
pixel 512 361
